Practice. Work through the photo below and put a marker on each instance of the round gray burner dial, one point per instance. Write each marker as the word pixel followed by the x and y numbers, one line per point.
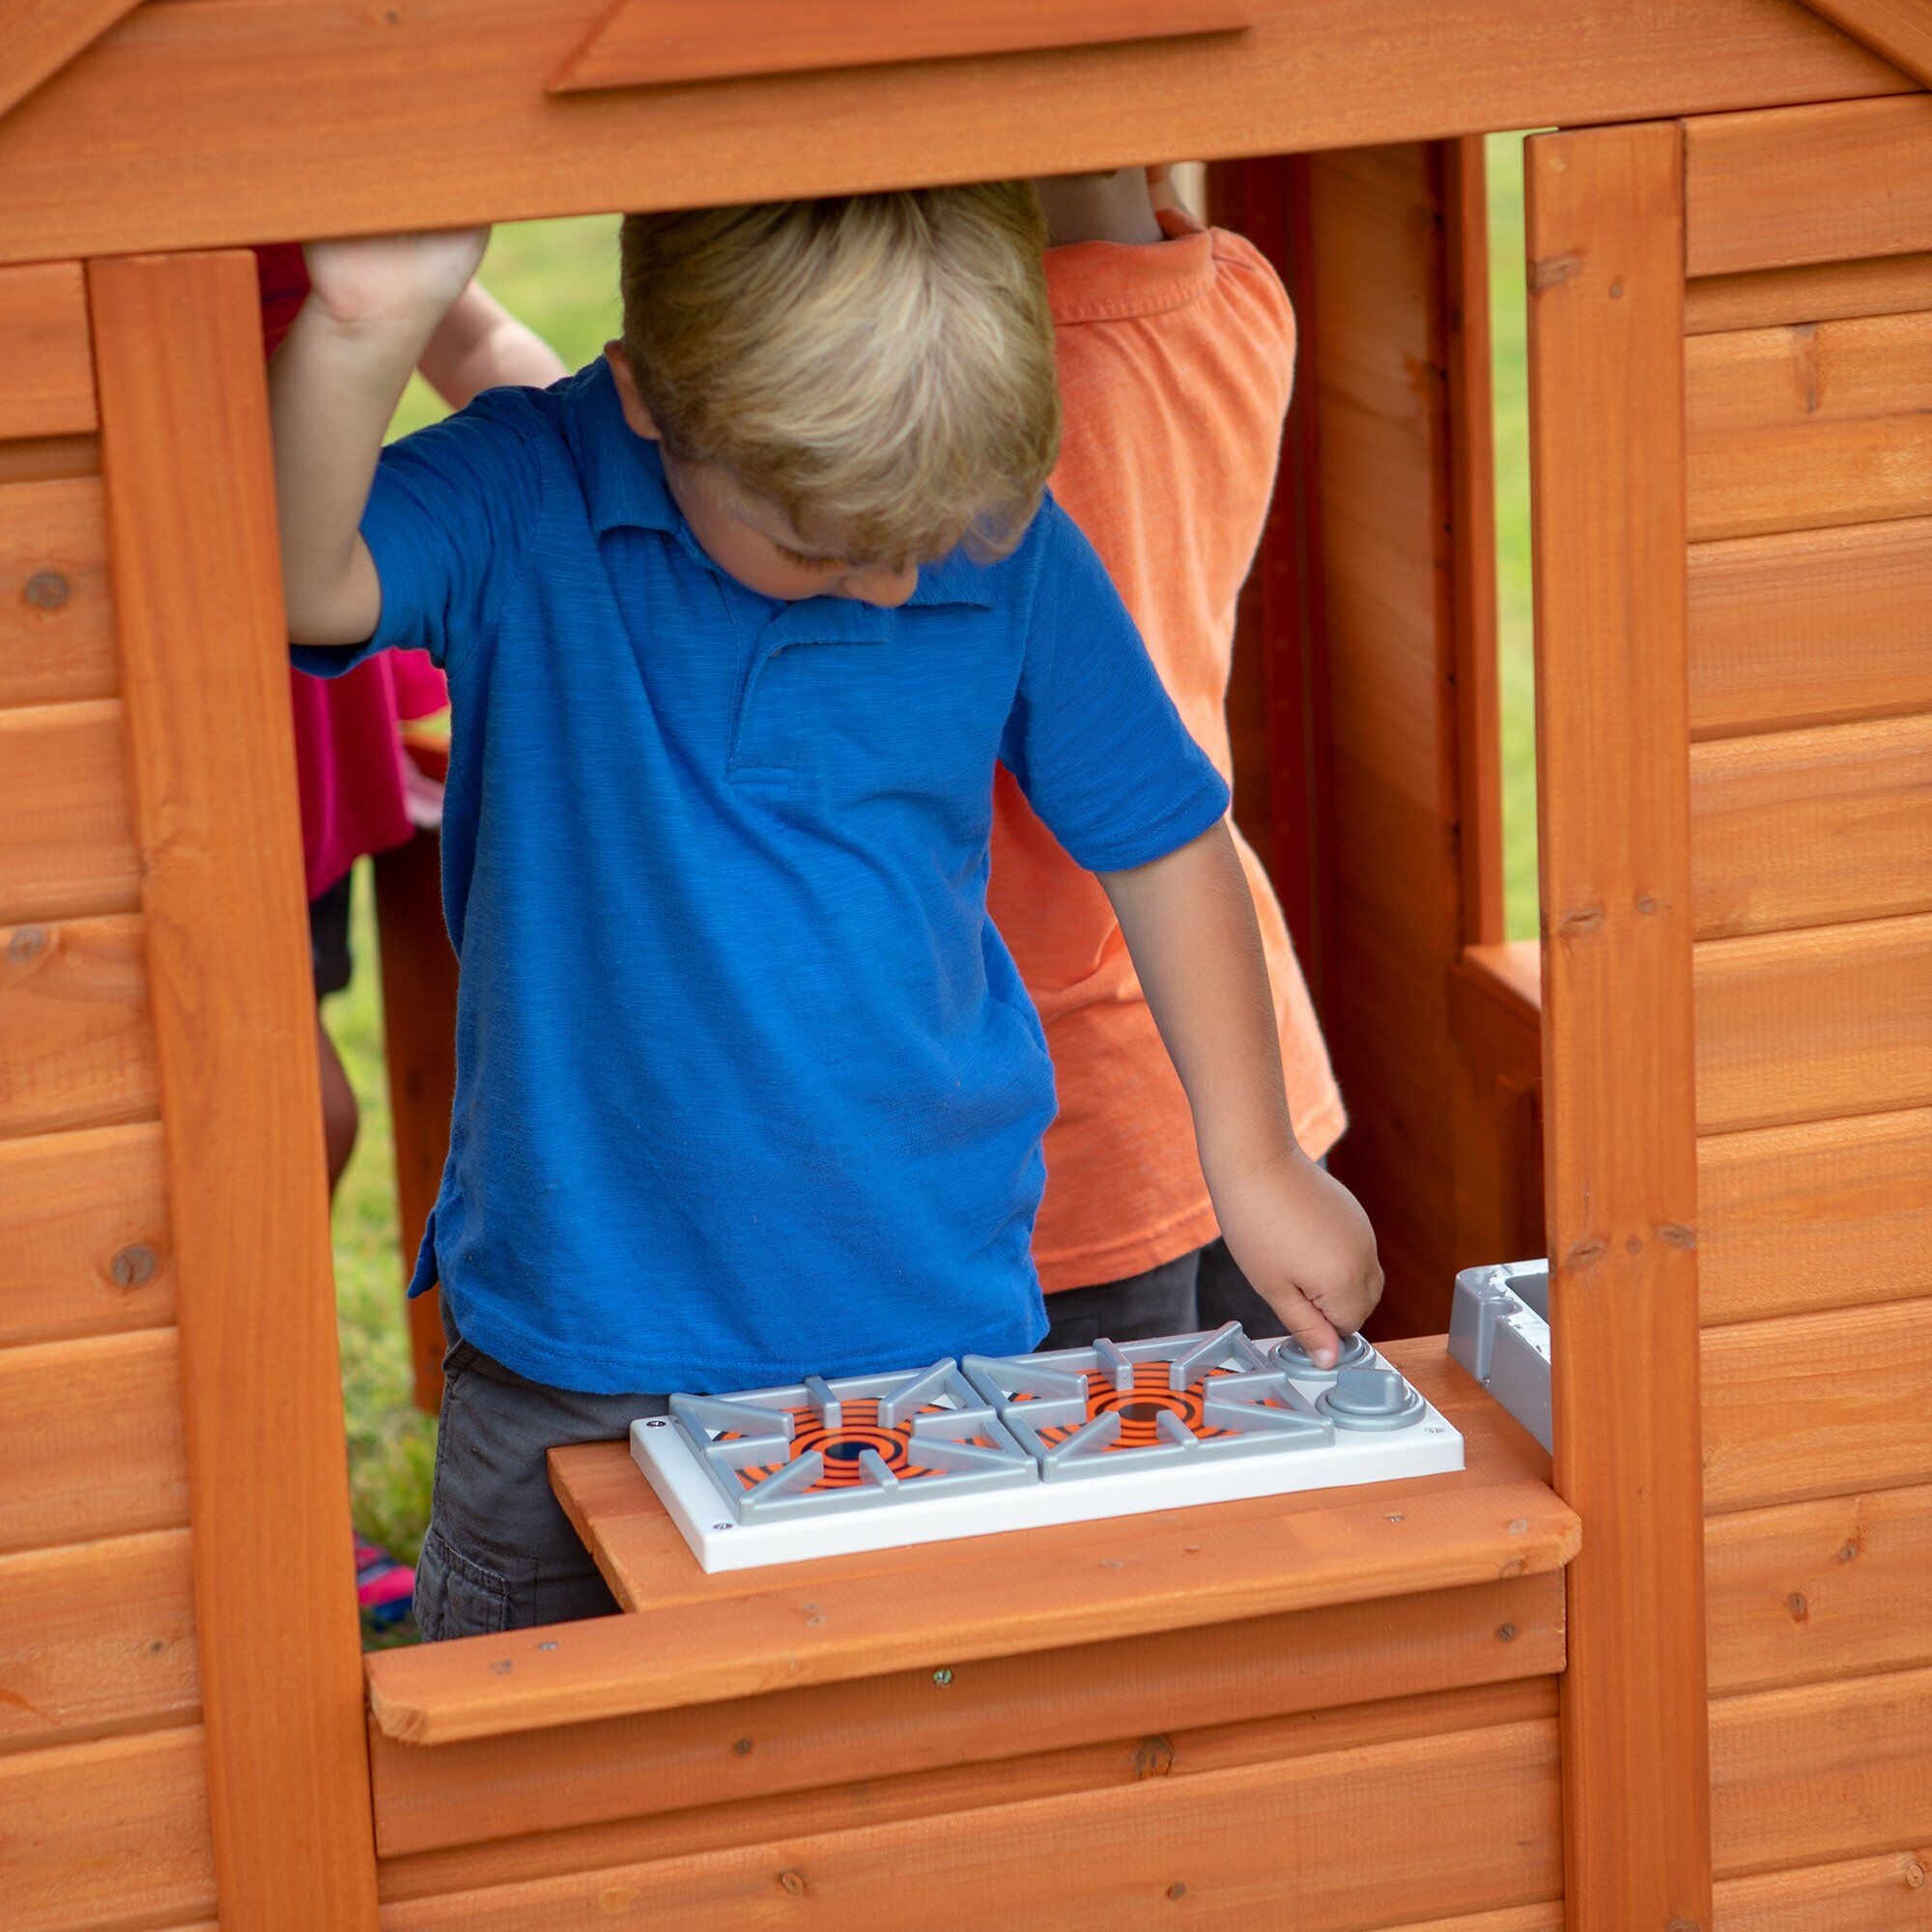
pixel 1370 1399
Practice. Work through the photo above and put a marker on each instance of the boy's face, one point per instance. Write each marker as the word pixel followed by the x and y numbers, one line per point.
pixel 749 535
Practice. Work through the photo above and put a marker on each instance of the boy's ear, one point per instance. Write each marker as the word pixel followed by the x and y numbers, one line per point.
pixel 635 412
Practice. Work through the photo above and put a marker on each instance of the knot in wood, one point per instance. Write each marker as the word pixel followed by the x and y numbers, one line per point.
pixel 28 943
pixel 1154 1758
pixel 1178 1890
pixel 794 1881
pixel 1579 920
pixel 135 1266
pixel 1586 1254
pixel 46 590
pixel 1675 1235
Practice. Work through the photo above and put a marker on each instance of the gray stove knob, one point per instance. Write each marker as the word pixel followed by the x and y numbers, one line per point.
pixel 1295 1362
pixel 1370 1399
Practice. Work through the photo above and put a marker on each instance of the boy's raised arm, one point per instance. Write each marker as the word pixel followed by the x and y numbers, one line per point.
pixel 372 306
pixel 1300 1235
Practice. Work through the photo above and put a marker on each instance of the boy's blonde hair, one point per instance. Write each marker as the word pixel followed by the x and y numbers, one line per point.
pixel 881 365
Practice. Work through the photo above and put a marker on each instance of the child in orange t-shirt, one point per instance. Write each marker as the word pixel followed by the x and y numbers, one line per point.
pixel 1176 347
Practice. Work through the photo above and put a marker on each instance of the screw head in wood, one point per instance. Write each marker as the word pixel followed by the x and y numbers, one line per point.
pixel 46 590
pixel 29 942
pixel 1506 1633
pixel 135 1266
pixel 794 1881
pixel 942 1677
pixel 1178 1890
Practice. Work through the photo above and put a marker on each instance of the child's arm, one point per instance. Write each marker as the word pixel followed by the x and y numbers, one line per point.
pixel 334 382
pixel 1299 1236
pixel 480 345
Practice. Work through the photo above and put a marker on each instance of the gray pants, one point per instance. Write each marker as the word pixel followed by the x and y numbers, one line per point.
pixel 501 1554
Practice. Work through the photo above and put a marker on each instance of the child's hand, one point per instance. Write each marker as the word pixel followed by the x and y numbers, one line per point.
pixel 1303 1240
pixel 393 280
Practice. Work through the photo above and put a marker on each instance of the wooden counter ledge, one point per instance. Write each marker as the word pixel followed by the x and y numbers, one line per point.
pixel 709 1638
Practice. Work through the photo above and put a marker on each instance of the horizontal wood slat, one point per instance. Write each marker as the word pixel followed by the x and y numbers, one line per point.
pixel 1798 428
pixel 1769 297
pixel 1811 828
pixel 84 1228
pixel 1887 1893
pixel 97 1638
pixel 105 1834
pixel 1824 1771
pixel 1808 1025
pixel 91 1439
pixel 1827 1214
pixel 1113 1855
pixel 1817 1405
pixel 56 622
pixel 1771 190
pixel 1901 30
pixel 1810 627
pixel 76 1048
pixel 46 372
pixel 433 1795
pixel 67 823
pixel 39 36
pixel 49 459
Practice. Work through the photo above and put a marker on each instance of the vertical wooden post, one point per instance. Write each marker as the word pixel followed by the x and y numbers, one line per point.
pixel 1605 227
pixel 204 671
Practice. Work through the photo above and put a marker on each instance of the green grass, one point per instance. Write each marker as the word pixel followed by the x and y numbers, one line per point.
pixel 560 276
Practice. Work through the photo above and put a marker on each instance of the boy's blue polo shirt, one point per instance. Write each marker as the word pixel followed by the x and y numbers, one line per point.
pixel 748 1085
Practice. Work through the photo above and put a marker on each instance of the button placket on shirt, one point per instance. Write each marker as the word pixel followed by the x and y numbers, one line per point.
pixel 818 620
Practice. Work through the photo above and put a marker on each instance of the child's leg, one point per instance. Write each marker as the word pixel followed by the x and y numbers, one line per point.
pixel 1161 1301
pixel 500 1554
pixel 329 959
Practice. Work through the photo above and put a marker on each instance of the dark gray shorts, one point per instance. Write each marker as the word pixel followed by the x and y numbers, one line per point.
pixel 1199 1290
pixel 500 1554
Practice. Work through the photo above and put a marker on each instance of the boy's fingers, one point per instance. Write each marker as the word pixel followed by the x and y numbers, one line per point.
pixel 1312 1328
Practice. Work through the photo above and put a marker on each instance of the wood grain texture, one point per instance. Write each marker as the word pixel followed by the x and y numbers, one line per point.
pixel 1830 1214
pixel 39 36
pixel 432 114
pixel 185 455
pixel 711 1638
pixel 97 1638
pixel 1495 1015
pixel 105 1834
pixel 1814 627
pixel 648 43
pixel 1805 1025
pixel 46 383
pixel 1779 188
pixel 1887 1893
pixel 1766 298
pixel 1115 1763
pixel 1114 1856
pixel 45 459
pixel 1605 221
pixel 56 625
pixel 91 1439
pixel 1823 1772
pixel 66 832
pixel 1808 828
pixel 1809 426
pixel 1901 30
pixel 1817 1405
pixel 1820 1590
pixel 84 1228
pixel 76 1048
pixel 429 1796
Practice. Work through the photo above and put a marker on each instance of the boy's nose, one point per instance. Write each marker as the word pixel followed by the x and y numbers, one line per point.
pixel 876 584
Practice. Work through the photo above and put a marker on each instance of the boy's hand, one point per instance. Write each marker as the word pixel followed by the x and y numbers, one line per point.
pixel 1306 1246
pixel 405 281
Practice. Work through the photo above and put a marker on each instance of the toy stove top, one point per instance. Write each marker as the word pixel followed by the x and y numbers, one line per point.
pixel 1014 1441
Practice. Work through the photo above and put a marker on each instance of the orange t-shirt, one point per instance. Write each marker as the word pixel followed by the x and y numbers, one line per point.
pixel 1176 362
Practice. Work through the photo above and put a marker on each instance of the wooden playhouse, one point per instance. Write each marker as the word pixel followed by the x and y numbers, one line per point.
pixel 1681 1681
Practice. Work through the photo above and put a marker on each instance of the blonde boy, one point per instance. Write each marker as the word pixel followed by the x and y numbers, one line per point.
pixel 738 622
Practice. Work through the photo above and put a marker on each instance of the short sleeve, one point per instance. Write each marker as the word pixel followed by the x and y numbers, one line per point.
pixel 449 519
pixel 1094 738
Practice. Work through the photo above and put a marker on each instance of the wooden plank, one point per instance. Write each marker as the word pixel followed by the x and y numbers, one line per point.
pixel 1901 30
pixel 91 1439
pixel 1813 425
pixel 39 36
pixel 42 459
pixel 1813 627
pixel 114 154
pixel 46 383
pixel 76 1048
pixel 1887 1893
pixel 649 43
pixel 1817 1405
pixel 1827 1214
pixel 1766 298
pixel 1777 190
pixel 1819 1590
pixel 1495 1014
pixel 1808 828
pixel 1604 214
pixel 190 497
pixel 97 1638
pixel 1821 1772
pixel 66 832
pixel 1118 1855
pixel 906 1722
pixel 110 1834
pixel 56 625
pixel 1800 1025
